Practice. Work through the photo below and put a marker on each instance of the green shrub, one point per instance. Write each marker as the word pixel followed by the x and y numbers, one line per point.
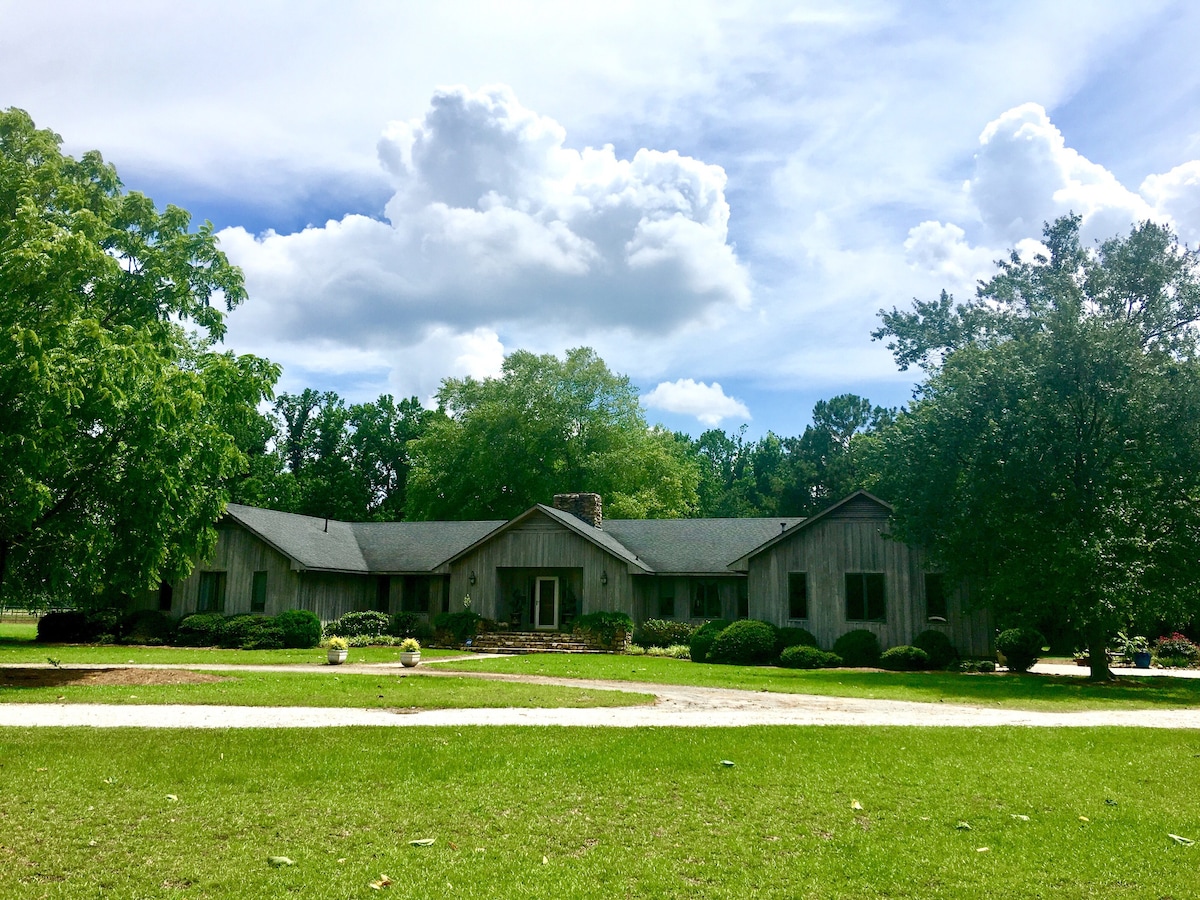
pixel 1174 652
pixel 793 637
pixel 423 632
pixel 702 638
pixel 200 630
pixel 237 631
pixel 610 629
pixel 459 627
pixel 937 645
pixel 146 627
pixel 806 656
pixel 1021 648
pixel 858 648
pixel 65 627
pixel 746 642
pixel 905 659
pixel 351 624
pixel 662 633
pixel 299 628
pixel 405 625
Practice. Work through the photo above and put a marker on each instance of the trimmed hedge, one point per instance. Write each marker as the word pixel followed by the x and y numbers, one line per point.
pixel 352 624
pixel 793 637
pixel 459 626
pixel 805 656
pixel 147 627
pixel 200 630
pixel 703 637
pixel 746 642
pixel 858 648
pixel 67 627
pixel 662 633
pixel 610 629
pixel 937 645
pixel 905 659
pixel 300 629
pixel 1021 648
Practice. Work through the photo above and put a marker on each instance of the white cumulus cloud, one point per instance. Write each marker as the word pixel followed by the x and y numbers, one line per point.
pixel 496 223
pixel 707 402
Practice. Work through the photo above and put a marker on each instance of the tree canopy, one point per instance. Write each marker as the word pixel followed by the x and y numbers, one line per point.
pixel 119 421
pixel 1050 456
pixel 546 425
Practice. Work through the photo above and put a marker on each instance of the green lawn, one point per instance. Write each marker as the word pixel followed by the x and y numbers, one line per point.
pixel 544 812
pixel 385 690
pixel 17 645
pixel 1013 691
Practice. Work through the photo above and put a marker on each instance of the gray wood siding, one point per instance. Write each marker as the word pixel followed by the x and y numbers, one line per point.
pixel 239 554
pixel 331 595
pixel 541 543
pixel 856 543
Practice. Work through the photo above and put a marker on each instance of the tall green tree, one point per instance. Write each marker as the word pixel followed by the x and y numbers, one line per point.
pixel 117 431
pixel 1052 457
pixel 546 426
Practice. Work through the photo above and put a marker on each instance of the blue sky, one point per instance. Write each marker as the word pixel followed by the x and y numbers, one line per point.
pixel 718 197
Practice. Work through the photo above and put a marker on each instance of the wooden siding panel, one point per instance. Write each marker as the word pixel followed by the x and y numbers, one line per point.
pixel 240 554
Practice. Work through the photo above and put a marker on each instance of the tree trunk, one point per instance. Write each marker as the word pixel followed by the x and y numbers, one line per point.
pixel 1098 655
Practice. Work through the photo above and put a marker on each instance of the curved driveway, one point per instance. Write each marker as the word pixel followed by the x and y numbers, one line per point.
pixel 674 706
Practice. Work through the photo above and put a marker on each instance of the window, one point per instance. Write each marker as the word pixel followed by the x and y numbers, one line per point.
pixel 258 592
pixel 797 595
pixel 935 596
pixel 706 600
pixel 743 595
pixel 865 597
pixel 212 592
pixel 416 595
pixel 165 593
pixel 383 594
pixel 666 598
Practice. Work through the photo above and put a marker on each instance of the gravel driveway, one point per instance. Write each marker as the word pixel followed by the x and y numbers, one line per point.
pixel 675 706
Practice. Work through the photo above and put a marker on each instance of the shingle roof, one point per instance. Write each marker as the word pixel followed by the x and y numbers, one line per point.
pixel 383 547
pixel 653 545
pixel 694 545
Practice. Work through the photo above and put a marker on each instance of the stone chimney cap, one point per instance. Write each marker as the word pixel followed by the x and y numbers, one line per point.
pixel 584 506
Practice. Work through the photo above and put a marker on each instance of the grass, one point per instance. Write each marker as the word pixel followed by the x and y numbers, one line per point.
pixel 1034 692
pixel 378 691
pixel 17 645
pixel 541 812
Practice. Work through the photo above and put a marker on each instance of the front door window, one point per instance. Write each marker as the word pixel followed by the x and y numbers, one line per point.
pixel 545 603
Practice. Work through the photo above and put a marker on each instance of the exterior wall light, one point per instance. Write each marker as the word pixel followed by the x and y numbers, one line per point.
pixel 471 577
pixel 604 577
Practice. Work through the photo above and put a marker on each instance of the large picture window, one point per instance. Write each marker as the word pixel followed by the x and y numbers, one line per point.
pixel 797 595
pixel 212 592
pixel 935 596
pixel 865 597
pixel 706 600
pixel 666 598
pixel 416 594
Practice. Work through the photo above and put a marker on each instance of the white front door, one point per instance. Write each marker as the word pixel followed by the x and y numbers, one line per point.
pixel 545 603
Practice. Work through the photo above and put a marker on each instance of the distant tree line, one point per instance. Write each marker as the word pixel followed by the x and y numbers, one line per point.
pixel 494 447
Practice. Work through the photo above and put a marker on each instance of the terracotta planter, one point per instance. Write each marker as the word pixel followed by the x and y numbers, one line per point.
pixel 409 658
pixel 337 657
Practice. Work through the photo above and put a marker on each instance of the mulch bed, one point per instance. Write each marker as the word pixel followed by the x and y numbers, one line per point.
pixel 43 677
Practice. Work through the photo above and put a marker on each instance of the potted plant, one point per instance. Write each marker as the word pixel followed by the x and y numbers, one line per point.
pixel 338 651
pixel 410 652
pixel 1137 648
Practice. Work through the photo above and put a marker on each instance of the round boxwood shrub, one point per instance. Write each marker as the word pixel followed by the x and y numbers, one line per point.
pixel 200 630
pixel 858 648
pixel 746 642
pixel 937 645
pixel 703 637
pixel 147 627
pixel 300 628
pixel 1021 648
pixel 804 656
pixel 66 627
pixel 904 659
pixel 793 637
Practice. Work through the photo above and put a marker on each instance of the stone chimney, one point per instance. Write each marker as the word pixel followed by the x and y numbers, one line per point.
pixel 581 506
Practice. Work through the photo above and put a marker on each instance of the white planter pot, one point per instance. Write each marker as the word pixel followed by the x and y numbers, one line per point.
pixel 337 657
pixel 410 658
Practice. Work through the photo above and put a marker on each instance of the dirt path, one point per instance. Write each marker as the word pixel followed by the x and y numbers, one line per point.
pixel 674 706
